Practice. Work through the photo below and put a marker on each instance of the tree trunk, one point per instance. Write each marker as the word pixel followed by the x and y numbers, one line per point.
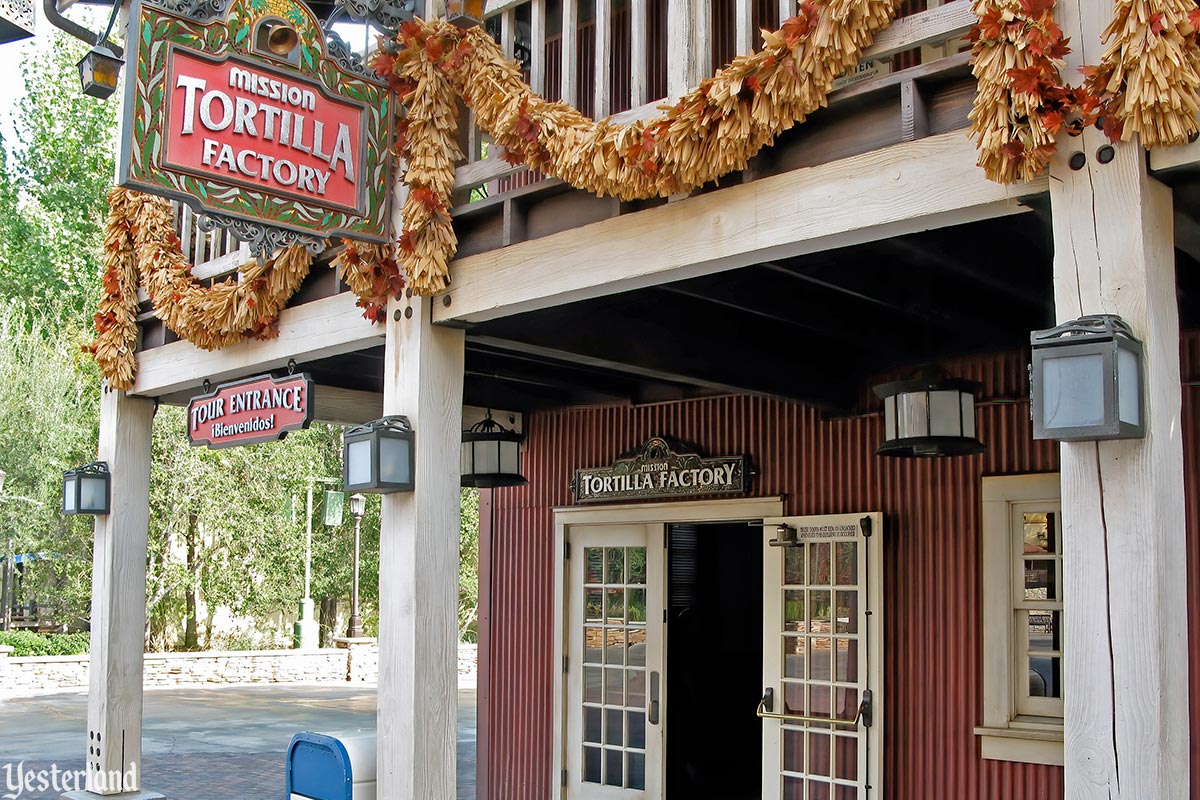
pixel 191 639
pixel 328 620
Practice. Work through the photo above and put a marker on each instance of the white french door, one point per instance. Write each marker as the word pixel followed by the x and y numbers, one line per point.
pixel 822 649
pixel 614 675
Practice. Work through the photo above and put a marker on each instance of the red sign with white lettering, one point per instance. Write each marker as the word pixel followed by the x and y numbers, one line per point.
pixel 247 124
pixel 260 409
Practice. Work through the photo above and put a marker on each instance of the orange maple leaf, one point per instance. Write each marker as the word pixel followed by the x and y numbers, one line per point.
pixel 1026 81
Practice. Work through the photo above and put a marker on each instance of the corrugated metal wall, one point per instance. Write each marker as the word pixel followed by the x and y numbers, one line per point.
pixel 1190 371
pixel 932 691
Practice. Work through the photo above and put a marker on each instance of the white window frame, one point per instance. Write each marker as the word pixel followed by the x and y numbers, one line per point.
pixel 1006 734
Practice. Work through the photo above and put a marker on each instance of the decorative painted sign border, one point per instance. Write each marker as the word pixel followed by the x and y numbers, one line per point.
pixel 218 30
pixel 656 470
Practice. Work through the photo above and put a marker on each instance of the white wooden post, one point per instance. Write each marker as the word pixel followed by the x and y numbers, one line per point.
pixel 418 563
pixel 682 34
pixel 570 52
pixel 114 734
pixel 537 46
pixel 744 28
pixel 638 27
pixel 603 55
pixel 1126 667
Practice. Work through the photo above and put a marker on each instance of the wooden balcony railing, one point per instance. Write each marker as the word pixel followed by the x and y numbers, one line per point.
pixel 617 63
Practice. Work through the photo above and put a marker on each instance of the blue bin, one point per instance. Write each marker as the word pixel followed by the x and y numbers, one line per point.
pixel 322 766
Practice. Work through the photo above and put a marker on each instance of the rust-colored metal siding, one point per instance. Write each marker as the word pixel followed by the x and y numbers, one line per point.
pixel 1190 372
pixel 931 665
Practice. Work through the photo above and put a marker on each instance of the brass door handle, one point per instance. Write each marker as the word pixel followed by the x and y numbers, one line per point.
pixel 767 703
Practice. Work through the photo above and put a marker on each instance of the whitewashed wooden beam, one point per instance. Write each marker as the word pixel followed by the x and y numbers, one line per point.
pixel 1126 726
pixel 493 7
pixel 788 9
pixel 418 565
pixel 570 52
pixel 701 43
pixel 327 327
pixel 908 187
pixel 638 49
pixel 935 25
pixel 744 33
pixel 537 46
pixel 602 99
pixel 1180 157
pixel 114 736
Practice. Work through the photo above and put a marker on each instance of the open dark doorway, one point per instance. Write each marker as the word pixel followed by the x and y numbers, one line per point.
pixel 714 661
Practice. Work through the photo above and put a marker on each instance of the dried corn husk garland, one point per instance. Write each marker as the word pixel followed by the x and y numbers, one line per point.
pixel 1149 81
pixel 712 131
pixel 1021 102
pixel 372 273
pixel 140 239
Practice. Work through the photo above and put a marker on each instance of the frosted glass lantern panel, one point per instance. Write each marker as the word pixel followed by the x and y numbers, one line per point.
pixel 92 494
pixel 464 459
pixel 487 458
pixel 889 418
pixel 509 457
pixel 1129 383
pixel 394 466
pixel 1073 391
pixel 945 414
pixel 968 414
pixel 358 462
pixel 69 494
pixel 914 414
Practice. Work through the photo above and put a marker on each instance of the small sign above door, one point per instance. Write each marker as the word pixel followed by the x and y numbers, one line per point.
pixel 259 409
pixel 656 470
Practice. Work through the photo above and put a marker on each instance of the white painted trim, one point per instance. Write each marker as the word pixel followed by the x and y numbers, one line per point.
pixel 646 513
pixel 670 512
pixel 876 777
pixel 327 327
pixel 919 185
pixel 1031 742
pixel 1005 744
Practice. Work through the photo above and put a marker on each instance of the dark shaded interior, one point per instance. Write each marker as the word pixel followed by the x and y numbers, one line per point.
pixel 714 661
pixel 812 328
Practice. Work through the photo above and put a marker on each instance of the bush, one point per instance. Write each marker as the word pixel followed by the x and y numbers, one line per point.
pixel 28 643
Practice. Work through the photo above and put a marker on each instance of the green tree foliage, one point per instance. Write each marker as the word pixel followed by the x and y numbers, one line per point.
pixel 227 526
pixel 49 402
pixel 54 181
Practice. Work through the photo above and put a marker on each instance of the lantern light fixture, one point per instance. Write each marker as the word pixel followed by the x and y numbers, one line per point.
pixel 99 71
pixel 379 457
pixel 464 13
pixel 1085 382
pixel 930 415
pixel 491 455
pixel 87 490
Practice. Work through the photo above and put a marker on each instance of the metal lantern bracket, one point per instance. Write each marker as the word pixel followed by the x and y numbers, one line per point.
pixel 56 18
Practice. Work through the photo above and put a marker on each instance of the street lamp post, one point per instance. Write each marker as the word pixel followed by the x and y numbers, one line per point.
pixel 358 504
pixel 306 630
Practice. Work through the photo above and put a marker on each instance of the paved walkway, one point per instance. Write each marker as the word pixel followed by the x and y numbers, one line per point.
pixel 205 744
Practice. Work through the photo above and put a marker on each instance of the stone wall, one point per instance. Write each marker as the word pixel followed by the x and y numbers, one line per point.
pixel 351 661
